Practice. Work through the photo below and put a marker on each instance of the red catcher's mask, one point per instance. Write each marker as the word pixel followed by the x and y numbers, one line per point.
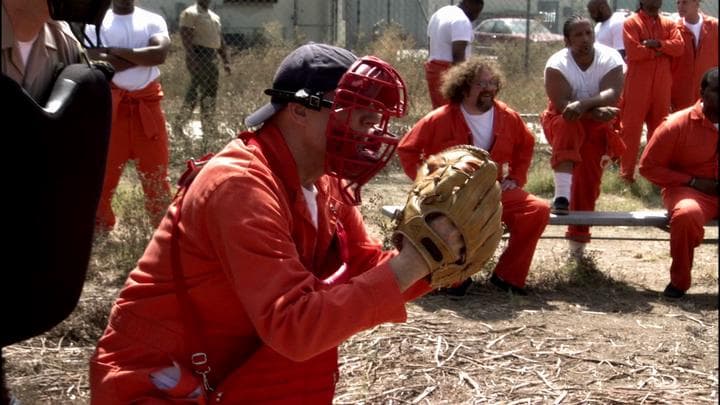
pixel 354 153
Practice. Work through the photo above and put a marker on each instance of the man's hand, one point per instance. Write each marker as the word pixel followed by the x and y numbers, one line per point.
pixel 605 114
pixel 707 186
pixel 573 111
pixel 651 43
pixel 409 266
pixel 226 66
pixel 508 184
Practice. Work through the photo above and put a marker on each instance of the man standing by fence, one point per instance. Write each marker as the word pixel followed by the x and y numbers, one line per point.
pixel 137 42
pixel 609 27
pixel 201 34
pixel 700 37
pixel 682 158
pixel 651 41
pixel 450 33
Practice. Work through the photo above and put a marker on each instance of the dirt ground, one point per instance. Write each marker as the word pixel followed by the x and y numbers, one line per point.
pixel 591 331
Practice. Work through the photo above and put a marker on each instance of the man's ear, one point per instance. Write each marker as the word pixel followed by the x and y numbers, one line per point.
pixel 298 113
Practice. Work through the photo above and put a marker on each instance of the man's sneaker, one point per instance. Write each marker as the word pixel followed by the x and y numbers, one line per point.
pixel 499 283
pixel 460 289
pixel 672 292
pixel 560 206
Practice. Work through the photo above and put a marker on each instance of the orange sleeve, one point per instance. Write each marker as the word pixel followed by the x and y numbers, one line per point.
pixel 284 302
pixel 674 45
pixel 522 151
pixel 411 149
pixel 655 162
pixel 632 38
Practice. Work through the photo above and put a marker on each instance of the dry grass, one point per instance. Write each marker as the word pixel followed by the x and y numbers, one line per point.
pixel 595 331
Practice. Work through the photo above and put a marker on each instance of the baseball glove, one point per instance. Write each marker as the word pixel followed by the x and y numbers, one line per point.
pixel 460 183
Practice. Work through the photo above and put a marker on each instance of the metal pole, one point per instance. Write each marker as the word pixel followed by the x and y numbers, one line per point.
pixel 527 38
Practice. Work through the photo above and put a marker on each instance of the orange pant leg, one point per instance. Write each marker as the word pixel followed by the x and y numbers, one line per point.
pixel 152 165
pixel 689 211
pixel 646 100
pixel 433 74
pixel 659 107
pixel 526 216
pixel 565 137
pixel 634 110
pixel 119 151
pixel 587 176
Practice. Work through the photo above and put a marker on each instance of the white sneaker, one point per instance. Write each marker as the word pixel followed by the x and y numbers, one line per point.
pixel 576 249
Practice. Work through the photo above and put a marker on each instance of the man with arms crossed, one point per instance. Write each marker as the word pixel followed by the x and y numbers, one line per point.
pixel 136 41
pixel 450 33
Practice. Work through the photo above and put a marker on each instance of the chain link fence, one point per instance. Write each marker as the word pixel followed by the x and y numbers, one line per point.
pixel 205 106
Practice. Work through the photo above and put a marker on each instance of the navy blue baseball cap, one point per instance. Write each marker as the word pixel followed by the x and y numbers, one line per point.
pixel 308 71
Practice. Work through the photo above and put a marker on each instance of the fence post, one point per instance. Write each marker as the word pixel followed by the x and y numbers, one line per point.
pixel 527 38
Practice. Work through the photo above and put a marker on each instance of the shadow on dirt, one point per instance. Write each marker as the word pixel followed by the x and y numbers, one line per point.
pixel 578 283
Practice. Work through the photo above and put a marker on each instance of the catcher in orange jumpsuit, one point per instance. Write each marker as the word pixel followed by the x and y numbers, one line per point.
pixel 583 82
pixel 138 41
pixel 700 37
pixel 262 266
pixel 475 117
pixel 682 158
pixel 651 41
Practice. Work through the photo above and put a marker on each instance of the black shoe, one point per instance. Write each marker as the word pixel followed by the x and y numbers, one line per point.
pixel 460 290
pixel 672 292
pixel 560 206
pixel 499 283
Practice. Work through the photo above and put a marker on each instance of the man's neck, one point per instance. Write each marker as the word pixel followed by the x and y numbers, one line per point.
pixel 123 11
pixel 26 24
pixel 692 19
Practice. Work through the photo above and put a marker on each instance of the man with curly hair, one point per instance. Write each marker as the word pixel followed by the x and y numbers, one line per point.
pixel 474 116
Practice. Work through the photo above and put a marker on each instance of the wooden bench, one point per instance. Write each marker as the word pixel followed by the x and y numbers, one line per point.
pixel 654 218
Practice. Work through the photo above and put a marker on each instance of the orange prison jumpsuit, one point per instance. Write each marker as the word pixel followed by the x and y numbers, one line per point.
pixel 688 69
pixel 257 271
pixel 434 70
pixel 138 132
pixel 583 142
pixel 683 147
pixel 646 97
pixel 524 214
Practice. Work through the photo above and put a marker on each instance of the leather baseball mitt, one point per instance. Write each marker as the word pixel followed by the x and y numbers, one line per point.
pixel 460 183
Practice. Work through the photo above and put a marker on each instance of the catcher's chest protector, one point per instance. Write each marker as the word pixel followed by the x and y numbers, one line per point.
pixel 53 167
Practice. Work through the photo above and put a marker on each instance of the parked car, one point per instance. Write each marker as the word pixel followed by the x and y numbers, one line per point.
pixel 494 31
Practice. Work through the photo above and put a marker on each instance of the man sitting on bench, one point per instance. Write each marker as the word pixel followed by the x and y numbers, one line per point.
pixel 682 158
pixel 583 82
pixel 474 116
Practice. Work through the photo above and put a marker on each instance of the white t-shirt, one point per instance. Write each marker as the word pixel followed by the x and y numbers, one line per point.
pixel 481 126
pixel 695 29
pixel 311 200
pixel 610 31
pixel 447 25
pixel 585 84
pixel 131 31
pixel 25 47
